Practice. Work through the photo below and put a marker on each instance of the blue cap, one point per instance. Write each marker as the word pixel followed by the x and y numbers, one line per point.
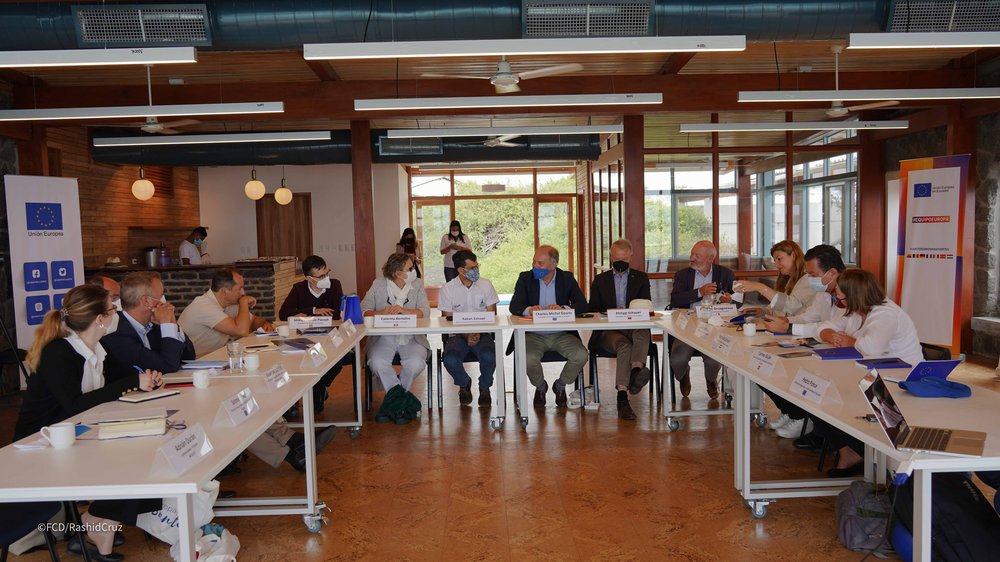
pixel 934 387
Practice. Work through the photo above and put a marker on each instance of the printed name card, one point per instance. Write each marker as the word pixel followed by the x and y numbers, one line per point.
pixel 762 362
pixel 683 319
pixel 628 315
pixel 185 450
pixel 304 322
pixel 237 408
pixel 703 330
pixel 276 377
pixel 723 343
pixel 553 316
pixel 395 320
pixel 336 340
pixel 317 353
pixel 709 310
pixel 474 317
pixel 810 386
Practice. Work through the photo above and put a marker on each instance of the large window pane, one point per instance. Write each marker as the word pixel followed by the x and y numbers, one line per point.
pixel 431 224
pixel 493 184
pixel 659 239
pixel 694 221
pixel 503 237
pixel 556 182
pixel 437 185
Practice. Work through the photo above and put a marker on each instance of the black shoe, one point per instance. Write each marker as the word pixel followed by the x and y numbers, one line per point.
pixel 465 394
pixel 625 411
pixel 324 436
pixel 638 379
pixel 319 399
pixel 559 389
pixel 292 412
pixel 231 468
pixel 857 469
pixel 73 547
pixel 485 399
pixel 540 394
pixel 223 495
pixel 810 442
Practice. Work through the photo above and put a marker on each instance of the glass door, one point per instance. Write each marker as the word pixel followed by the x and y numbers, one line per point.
pixel 431 221
pixel 554 226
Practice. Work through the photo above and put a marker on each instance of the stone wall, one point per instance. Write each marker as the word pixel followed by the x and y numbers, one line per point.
pixel 8 165
pixel 986 300
pixel 932 142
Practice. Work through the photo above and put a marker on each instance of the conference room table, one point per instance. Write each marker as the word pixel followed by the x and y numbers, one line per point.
pixel 843 405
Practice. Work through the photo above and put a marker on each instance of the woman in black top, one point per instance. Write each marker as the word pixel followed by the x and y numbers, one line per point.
pixel 73 373
pixel 408 245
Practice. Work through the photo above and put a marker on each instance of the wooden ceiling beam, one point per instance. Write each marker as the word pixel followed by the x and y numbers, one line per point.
pixel 323 70
pixel 675 63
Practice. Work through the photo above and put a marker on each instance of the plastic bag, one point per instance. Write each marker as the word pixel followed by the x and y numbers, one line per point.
pixel 163 523
pixel 212 548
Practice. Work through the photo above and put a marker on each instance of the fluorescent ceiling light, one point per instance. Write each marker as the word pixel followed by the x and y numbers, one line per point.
pixel 98 57
pixel 291 136
pixel 870 95
pixel 794 126
pixel 508 47
pixel 687 166
pixel 500 131
pixel 399 104
pixel 925 40
pixel 460 166
pixel 141 111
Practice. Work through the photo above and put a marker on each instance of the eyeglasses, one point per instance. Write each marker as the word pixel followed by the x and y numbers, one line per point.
pixel 110 311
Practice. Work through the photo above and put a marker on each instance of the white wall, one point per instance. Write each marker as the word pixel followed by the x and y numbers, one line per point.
pixel 232 221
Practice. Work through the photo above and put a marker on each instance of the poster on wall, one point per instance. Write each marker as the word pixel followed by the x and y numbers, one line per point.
pixel 929 248
pixel 46 249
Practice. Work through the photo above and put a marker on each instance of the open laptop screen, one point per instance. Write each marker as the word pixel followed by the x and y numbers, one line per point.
pixel 886 411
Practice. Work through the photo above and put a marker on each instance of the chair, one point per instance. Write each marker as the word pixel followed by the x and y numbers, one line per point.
pixel 554 357
pixel 370 376
pixel 19 519
pixel 673 383
pixel 656 381
pixel 935 352
pixel 470 357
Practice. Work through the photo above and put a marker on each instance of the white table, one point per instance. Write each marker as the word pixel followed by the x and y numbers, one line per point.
pixel 439 325
pixel 975 413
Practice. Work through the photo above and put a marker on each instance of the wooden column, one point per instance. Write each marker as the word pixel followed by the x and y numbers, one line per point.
pixel 634 190
pixel 715 188
pixel 744 214
pixel 871 207
pixel 790 182
pixel 364 211
pixel 961 139
pixel 33 154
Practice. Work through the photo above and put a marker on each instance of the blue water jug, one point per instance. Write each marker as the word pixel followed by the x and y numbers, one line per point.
pixel 350 309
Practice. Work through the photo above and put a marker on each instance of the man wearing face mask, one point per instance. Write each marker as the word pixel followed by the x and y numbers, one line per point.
pixel 616 288
pixel 190 248
pixel 147 334
pixel 548 287
pixel 469 293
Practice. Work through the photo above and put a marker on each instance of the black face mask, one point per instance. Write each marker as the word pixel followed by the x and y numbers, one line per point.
pixel 620 266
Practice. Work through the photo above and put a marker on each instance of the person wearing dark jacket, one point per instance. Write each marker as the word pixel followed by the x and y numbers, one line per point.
pixel 616 288
pixel 691 285
pixel 147 334
pixel 548 287
pixel 73 373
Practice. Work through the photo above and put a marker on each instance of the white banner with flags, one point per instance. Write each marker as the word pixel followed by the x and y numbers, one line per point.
pixel 46 247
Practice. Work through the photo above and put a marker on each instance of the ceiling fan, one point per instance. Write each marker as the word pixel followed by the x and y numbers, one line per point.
pixel 502 140
pixel 837 108
pixel 505 80
pixel 152 124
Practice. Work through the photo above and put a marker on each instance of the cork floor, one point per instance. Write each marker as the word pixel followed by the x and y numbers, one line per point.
pixel 573 486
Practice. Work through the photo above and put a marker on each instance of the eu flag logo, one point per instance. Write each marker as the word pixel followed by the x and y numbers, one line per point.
pixel 44 216
pixel 921 190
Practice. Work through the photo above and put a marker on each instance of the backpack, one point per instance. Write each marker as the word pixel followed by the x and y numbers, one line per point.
pixel 863 512
pixel 964 526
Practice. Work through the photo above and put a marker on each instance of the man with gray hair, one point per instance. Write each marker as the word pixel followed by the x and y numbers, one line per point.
pixel 544 287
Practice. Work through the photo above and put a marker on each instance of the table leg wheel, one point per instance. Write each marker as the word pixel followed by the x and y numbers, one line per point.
pixel 760 420
pixel 729 401
pixel 496 423
pixel 758 509
pixel 524 422
pixel 316 521
pixel 353 432
pixel 673 424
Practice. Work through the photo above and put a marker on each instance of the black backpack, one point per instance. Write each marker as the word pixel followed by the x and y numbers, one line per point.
pixel 964 526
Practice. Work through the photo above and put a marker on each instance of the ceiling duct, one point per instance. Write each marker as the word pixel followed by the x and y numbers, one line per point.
pixel 948 15
pixel 409 147
pixel 142 25
pixel 559 18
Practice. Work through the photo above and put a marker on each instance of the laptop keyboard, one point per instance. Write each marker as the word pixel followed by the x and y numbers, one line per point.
pixel 928 439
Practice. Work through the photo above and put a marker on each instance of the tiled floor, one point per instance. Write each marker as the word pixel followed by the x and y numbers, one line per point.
pixel 573 486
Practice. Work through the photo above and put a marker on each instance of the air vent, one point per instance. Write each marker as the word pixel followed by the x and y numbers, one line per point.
pixel 407 147
pixel 961 15
pixel 142 25
pixel 567 19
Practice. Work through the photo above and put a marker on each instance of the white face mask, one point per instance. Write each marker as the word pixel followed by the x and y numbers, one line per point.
pixel 816 284
pixel 113 326
pixel 323 283
pixel 411 276
pixel 163 299
pixel 455 232
pixel 117 304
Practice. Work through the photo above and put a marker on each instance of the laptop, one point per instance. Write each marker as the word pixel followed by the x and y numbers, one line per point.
pixel 904 437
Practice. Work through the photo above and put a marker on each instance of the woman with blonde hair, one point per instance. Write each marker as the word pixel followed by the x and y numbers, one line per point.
pixel 792 292
pixel 73 373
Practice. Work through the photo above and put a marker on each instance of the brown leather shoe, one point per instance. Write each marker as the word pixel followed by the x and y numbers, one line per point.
pixel 685 386
pixel 540 394
pixel 625 411
pixel 713 388
pixel 559 390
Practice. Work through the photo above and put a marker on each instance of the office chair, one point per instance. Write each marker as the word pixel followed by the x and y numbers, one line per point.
pixel 655 382
pixel 370 376
pixel 470 357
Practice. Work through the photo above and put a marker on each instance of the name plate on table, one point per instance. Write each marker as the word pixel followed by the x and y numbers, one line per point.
pixel 184 451
pixel 304 322
pixel 723 343
pixel 710 310
pixel 814 387
pixel 276 377
pixel 348 327
pixel 316 353
pixel 703 330
pixel 763 362
pixel 474 317
pixel 553 316
pixel 237 408
pixel 336 340
pixel 395 320
pixel 628 315
pixel 683 319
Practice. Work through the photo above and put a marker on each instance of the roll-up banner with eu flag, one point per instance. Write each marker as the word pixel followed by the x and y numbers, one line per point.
pixel 930 252
pixel 46 248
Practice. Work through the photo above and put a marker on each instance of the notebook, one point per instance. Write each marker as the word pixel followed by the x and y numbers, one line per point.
pixel 957 442
pixel 838 353
pixel 884 363
pixel 132 428
pixel 141 396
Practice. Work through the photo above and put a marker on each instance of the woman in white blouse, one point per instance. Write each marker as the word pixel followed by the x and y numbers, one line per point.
pixel 792 292
pixel 451 243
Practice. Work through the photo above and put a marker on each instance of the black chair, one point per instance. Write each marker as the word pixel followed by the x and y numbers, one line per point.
pixel 656 381
pixel 935 352
pixel 552 357
pixel 19 519
pixel 470 357
pixel 370 376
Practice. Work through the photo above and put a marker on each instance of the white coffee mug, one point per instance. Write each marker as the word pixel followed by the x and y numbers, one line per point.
pixel 201 378
pixel 251 361
pixel 60 435
pixel 749 329
pixel 283 331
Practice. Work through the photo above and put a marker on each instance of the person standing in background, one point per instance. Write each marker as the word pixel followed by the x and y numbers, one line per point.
pixel 408 245
pixel 190 248
pixel 451 243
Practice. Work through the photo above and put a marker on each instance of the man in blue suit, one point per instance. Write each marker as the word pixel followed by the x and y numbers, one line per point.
pixel 548 287
pixel 692 284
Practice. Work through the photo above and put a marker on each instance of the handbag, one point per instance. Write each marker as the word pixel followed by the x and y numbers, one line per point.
pixel 164 522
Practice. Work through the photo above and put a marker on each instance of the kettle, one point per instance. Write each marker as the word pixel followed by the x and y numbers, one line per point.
pixel 150 257
pixel 350 309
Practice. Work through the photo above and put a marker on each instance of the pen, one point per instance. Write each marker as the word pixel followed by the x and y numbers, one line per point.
pixel 258 346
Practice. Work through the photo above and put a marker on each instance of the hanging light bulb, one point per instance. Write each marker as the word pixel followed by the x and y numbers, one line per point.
pixel 254 188
pixel 142 189
pixel 283 195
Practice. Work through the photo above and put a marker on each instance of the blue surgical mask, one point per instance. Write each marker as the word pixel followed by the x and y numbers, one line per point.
pixel 197 241
pixel 472 274
pixel 817 284
pixel 539 272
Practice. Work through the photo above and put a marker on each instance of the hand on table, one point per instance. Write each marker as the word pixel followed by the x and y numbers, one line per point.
pixel 708 289
pixel 150 380
pixel 324 311
pixel 777 324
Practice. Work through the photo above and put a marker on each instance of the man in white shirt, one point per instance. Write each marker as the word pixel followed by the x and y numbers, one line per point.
pixel 469 293
pixel 190 248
